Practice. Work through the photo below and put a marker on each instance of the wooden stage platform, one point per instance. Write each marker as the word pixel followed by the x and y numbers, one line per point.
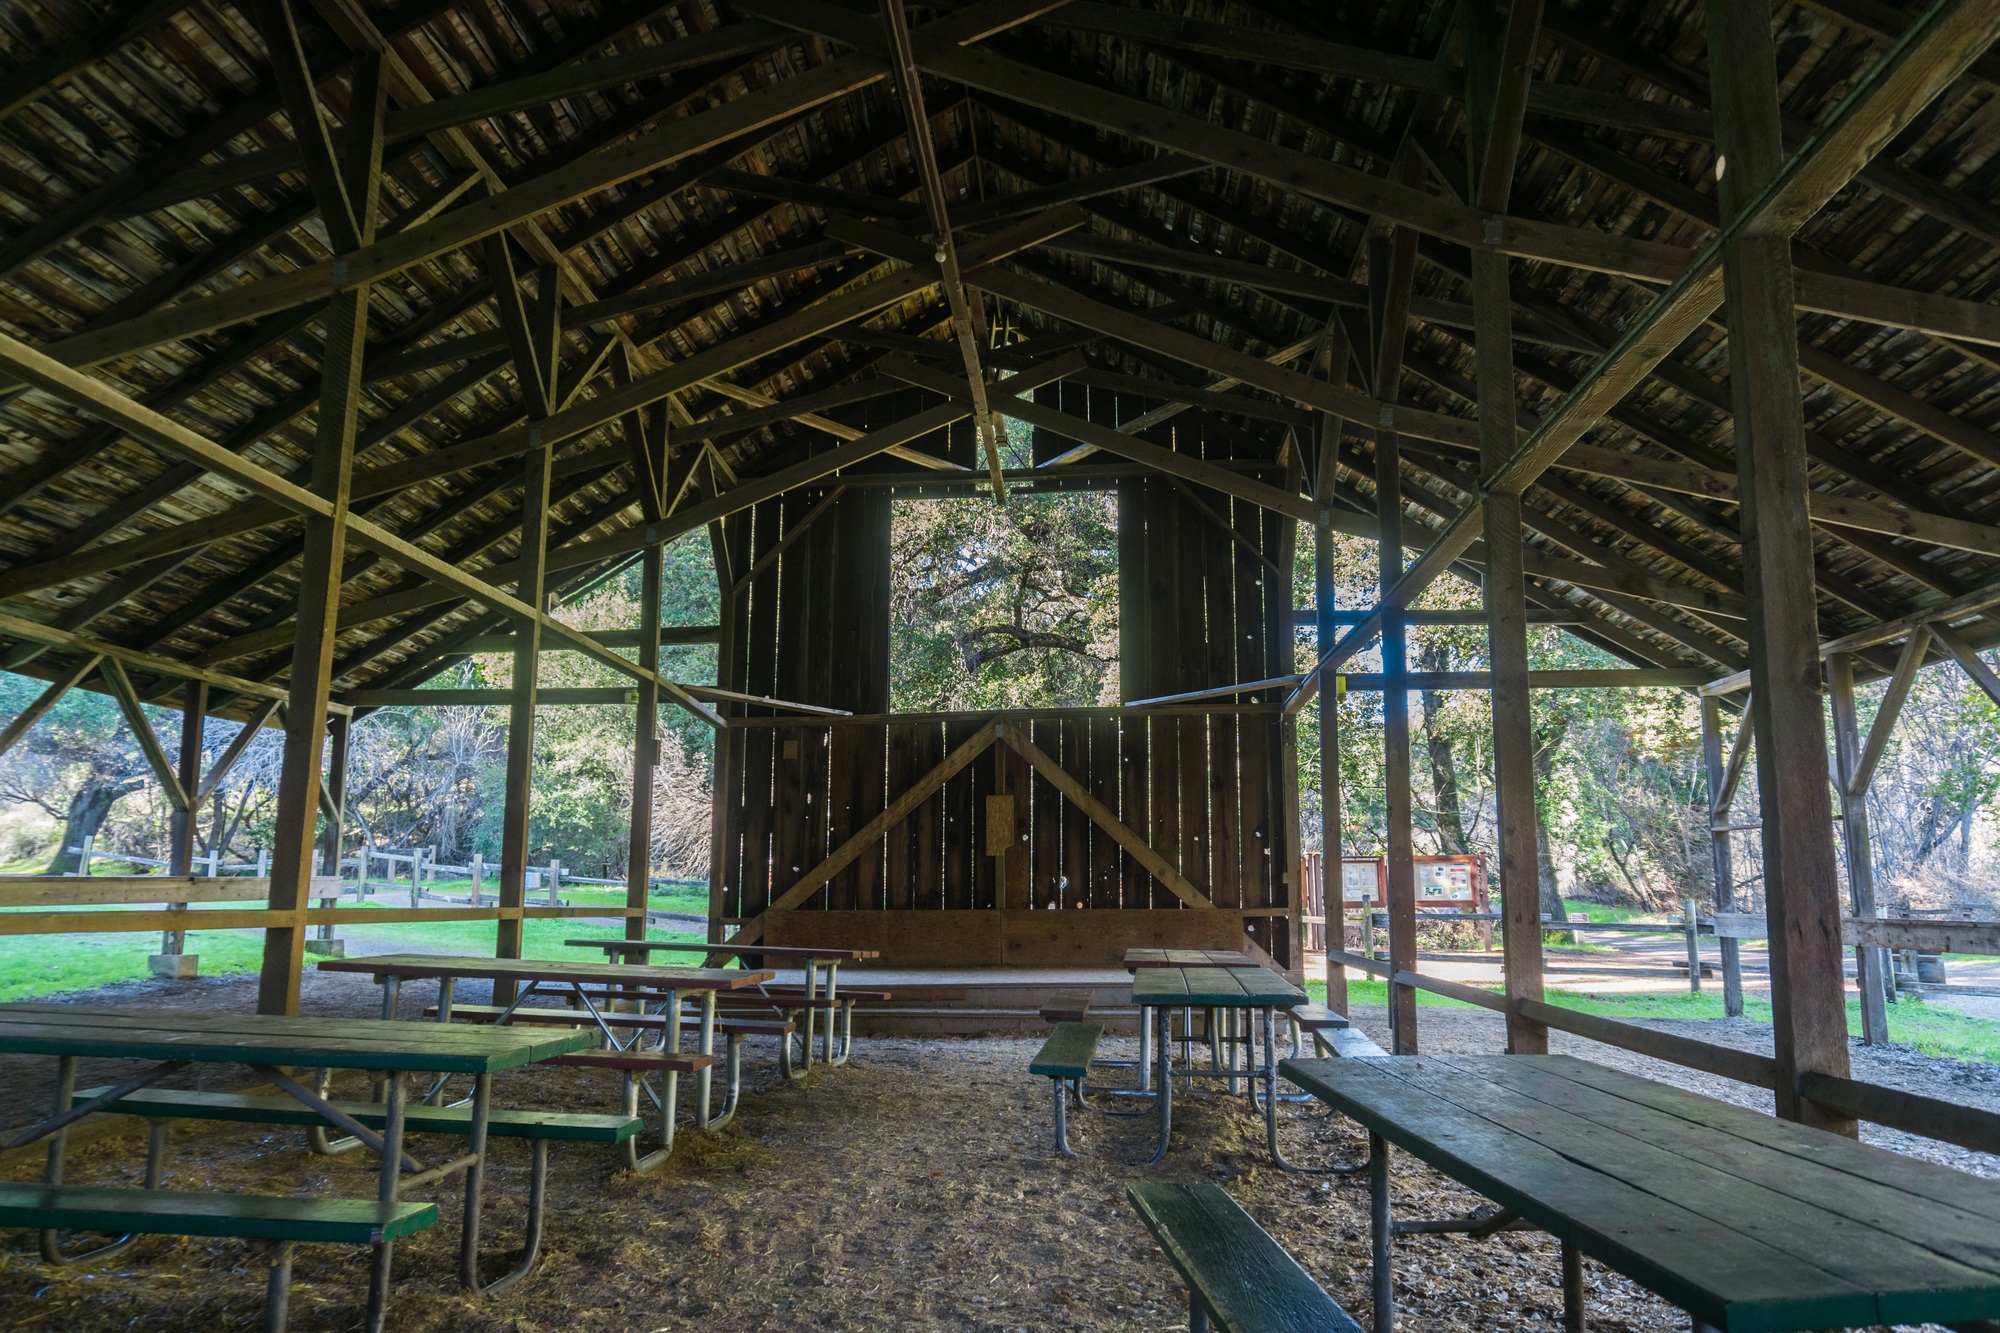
pixel 974 1001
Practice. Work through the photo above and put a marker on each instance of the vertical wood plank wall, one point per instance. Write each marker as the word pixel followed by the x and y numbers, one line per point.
pixel 1198 609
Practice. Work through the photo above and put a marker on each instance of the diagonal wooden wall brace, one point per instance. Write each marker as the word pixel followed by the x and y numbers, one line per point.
pixel 1100 814
pixel 142 728
pixel 895 813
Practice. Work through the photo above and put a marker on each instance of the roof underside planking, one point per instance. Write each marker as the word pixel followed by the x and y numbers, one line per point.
pixel 739 219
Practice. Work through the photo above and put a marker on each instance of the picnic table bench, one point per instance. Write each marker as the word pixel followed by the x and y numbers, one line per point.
pixel 269 1046
pixel 1065 1061
pixel 1239 1278
pixel 281 1223
pixel 814 957
pixel 1749 1223
pixel 1067 1006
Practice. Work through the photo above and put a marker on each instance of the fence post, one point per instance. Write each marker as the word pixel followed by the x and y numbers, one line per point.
pixel 555 878
pixel 361 872
pixel 416 876
pixel 263 863
pixel 83 860
pixel 430 864
pixel 1694 952
pixel 478 875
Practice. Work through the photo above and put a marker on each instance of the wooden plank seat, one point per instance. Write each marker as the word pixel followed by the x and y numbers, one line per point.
pixel 1349 1044
pixel 1065 1061
pixel 1239 1279
pixel 633 1068
pixel 281 1223
pixel 540 1129
pixel 257 1109
pixel 734 1028
pixel 1068 1006
pixel 1331 1034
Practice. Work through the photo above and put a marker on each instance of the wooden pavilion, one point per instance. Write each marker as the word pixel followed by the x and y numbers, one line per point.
pixel 345 338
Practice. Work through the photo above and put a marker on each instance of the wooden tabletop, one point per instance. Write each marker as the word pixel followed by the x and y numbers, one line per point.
pixel 422 965
pixel 1228 987
pixel 153 1033
pixel 1138 958
pixel 1748 1222
pixel 732 950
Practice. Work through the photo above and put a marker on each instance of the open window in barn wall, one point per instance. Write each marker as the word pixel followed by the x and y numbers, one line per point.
pixel 1005 606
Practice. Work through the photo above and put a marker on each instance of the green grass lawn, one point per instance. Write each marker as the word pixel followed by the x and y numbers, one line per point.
pixel 33 966
pixel 1931 1029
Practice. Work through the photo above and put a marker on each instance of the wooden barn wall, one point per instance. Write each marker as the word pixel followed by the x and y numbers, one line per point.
pixel 1203 787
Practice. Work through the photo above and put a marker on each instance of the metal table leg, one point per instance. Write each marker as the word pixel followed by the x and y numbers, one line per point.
pixel 1572 1261
pixel 1379 1232
pixel 392 1175
pixel 1166 1076
pixel 52 1174
pixel 538 1189
pixel 475 1181
pixel 1145 1061
pixel 812 991
pixel 706 1077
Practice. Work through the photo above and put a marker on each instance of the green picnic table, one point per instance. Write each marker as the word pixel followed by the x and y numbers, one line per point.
pixel 1234 993
pixel 544 975
pixel 1749 1223
pixel 814 958
pixel 271 1046
pixel 1138 958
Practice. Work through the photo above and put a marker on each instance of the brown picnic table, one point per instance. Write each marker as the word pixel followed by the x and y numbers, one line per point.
pixel 1749 1223
pixel 272 1046
pixel 555 976
pixel 814 957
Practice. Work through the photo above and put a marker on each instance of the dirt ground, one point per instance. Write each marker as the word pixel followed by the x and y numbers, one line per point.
pixel 913 1189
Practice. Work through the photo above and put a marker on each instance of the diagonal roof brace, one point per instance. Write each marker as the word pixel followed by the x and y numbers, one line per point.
pixel 909 85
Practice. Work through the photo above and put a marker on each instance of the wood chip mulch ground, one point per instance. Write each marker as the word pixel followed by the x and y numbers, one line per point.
pixel 915 1188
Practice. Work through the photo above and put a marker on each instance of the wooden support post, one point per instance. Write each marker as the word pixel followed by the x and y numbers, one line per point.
pixel 1802 894
pixel 1501 56
pixel 1391 265
pixel 1851 775
pixel 645 745
pixel 347 189
pixel 1719 802
pixel 533 344
pixel 728 745
pixel 173 959
pixel 1332 887
pixel 338 732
